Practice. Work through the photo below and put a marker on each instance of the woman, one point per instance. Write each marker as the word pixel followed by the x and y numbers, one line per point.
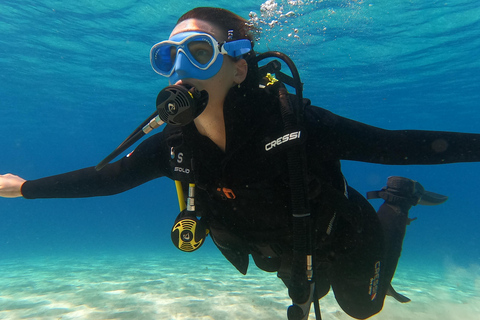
pixel 242 189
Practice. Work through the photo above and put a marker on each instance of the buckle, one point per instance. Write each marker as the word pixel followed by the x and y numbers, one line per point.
pixel 226 193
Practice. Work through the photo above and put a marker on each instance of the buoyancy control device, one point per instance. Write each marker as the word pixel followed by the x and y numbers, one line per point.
pixel 179 105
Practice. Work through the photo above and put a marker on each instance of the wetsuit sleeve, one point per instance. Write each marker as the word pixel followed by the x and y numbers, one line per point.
pixel 147 162
pixel 335 137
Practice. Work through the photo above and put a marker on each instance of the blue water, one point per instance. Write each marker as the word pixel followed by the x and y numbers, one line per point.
pixel 75 80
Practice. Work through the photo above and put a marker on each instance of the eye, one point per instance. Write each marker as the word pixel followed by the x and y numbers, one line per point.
pixel 201 51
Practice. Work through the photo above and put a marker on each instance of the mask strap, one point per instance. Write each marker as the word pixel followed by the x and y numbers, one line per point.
pixel 236 48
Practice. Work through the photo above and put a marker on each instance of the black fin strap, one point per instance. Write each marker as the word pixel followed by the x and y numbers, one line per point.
pixel 392 198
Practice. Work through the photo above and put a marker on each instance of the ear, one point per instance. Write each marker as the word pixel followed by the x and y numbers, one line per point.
pixel 240 71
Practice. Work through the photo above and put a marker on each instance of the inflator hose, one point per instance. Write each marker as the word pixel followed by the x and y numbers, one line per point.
pixel 299 287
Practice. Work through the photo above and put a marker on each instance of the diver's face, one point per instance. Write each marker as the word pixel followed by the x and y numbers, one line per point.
pixel 218 85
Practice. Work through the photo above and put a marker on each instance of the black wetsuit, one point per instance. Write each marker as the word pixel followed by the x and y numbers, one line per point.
pixel 349 241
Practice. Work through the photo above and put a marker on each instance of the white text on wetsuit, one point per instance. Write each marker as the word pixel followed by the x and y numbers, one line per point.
pixel 287 137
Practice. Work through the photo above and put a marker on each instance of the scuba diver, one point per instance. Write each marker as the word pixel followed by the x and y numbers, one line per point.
pixel 261 169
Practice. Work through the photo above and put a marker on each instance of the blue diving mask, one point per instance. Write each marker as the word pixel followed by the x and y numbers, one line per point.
pixel 194 55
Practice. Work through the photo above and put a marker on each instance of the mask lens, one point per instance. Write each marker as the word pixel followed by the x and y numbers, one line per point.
pixel 201 51
pixel 163 58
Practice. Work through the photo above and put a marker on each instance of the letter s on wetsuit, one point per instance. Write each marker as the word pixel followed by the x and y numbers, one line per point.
pixel 349 248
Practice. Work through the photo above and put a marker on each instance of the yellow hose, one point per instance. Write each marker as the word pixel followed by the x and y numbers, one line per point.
pixel 181 197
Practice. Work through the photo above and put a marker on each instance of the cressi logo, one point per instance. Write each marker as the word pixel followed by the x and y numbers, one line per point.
pixel 373 287
pixel 283 139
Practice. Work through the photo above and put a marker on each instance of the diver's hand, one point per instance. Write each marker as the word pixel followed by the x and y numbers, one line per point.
pixel 10 185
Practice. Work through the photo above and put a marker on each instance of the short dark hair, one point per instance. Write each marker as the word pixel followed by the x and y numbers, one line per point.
pixel 223 19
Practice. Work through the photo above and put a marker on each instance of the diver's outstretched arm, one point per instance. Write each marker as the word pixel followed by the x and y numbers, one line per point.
pixel 11 185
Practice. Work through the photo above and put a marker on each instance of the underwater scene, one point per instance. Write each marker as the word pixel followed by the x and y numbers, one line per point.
pixel 75 80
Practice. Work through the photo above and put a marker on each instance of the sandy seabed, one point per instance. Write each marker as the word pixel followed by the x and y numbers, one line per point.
pixel 206 287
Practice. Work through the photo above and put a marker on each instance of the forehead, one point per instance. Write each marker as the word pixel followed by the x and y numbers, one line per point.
pixel 198 25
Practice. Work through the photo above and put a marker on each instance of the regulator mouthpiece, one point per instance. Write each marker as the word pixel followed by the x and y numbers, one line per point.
pixel 180 104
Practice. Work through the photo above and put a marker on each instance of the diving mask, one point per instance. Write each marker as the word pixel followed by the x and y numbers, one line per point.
pixel 194 55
